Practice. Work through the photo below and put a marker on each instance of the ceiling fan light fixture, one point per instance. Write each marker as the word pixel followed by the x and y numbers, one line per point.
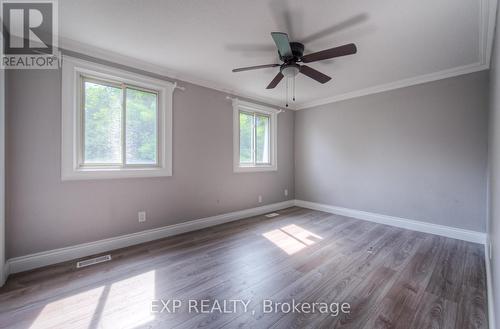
pixel 291 53
pixel 290 70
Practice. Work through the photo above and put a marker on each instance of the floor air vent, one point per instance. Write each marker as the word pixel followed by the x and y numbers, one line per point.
pixel 93 261
pixel 273 214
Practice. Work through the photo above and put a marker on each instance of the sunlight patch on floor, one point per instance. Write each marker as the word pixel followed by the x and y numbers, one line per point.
pixel 129 302
pixel 292 238
pixel 74 309
pixel 123 304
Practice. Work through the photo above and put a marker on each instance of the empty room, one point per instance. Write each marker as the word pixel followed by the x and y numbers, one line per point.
pixel 249 164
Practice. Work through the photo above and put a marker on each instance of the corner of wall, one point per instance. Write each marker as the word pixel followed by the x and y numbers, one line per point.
pixel 3 273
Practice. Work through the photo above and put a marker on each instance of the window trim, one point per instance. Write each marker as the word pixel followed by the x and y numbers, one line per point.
pixel 244 106
pixel 73 71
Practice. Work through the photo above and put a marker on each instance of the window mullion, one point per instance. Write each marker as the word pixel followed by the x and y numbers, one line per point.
pixel 81 113
pixel 124 124
pixel 254 139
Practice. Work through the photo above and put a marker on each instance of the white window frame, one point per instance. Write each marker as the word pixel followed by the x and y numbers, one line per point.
pixel 72 168
pixel 244 106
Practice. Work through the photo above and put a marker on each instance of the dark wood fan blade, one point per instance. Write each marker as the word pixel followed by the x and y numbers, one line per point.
pixel 255 67
pixel 313 74
pixel 283 44
pixel 275 81
pixel 344 50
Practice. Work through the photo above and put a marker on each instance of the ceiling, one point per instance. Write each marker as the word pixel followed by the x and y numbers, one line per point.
pixel 400 42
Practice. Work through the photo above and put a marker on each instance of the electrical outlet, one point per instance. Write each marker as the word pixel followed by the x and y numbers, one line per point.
pixel 286 192
pixel 141 216
pixel 260 198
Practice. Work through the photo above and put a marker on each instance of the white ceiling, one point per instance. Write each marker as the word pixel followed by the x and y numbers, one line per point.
pixel 400 42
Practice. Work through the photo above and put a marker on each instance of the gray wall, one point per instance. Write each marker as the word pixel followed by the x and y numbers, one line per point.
pixel 418 152
pixel 44 213
pixel 494 171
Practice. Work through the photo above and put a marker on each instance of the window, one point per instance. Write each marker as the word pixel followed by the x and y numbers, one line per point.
pixel 254 139
pixel 255 129
pixel 115 124
pixel 119 124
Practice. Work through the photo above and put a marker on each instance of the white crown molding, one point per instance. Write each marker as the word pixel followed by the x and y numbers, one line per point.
pixel 397 85
pixel 28 262
pixel 111 57
pixel 488 22
pixel 409 224
pixel 487 19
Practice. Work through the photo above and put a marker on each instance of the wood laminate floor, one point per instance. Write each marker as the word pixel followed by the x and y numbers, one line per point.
pixel 391 278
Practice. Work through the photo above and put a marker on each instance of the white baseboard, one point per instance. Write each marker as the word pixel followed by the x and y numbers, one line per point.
pixel 489 285
pixel 28 262
pixel 5 274
pixel 414 225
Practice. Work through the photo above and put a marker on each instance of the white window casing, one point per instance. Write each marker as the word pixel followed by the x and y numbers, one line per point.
pixel 72 168
pixel 272 113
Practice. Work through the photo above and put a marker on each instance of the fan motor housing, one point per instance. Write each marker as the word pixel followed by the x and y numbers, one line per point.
pixel 297 50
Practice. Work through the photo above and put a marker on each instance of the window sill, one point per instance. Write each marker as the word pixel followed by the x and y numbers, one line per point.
pixel 114 173
pixel 240 169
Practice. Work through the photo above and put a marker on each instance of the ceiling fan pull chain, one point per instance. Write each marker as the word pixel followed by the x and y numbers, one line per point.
pixel 284 94
pixel 294 88
pixel 287 80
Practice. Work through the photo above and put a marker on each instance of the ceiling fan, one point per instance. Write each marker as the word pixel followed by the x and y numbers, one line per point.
pixel 291 53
